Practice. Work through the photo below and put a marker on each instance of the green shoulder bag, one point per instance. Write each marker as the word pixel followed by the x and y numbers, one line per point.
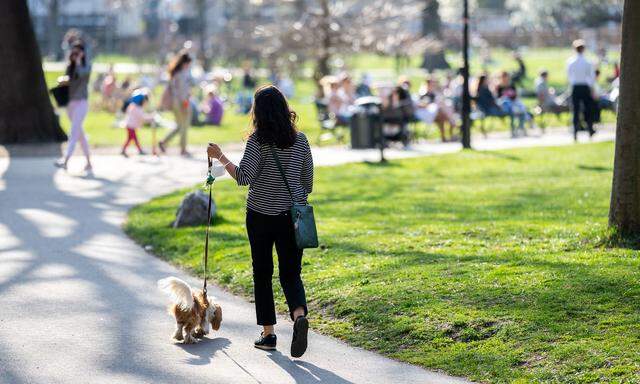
pixel 304 223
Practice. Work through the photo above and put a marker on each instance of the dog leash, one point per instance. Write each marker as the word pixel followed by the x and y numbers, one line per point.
pixel 209 184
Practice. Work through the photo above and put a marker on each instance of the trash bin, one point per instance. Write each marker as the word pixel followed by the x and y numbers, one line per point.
pixel 366 123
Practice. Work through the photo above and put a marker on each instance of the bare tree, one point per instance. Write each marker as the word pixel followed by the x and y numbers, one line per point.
pixel 324 28
pixel 624 213
pixel 26 114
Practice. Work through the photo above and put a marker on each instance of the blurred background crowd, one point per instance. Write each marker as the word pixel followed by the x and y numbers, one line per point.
pixel 339 62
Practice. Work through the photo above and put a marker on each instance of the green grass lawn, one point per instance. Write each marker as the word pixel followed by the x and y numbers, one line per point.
pixel 486 265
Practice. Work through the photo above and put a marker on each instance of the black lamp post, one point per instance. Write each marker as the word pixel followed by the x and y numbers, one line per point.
pixel 466 97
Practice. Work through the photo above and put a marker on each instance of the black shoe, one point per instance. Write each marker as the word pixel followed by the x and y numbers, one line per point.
pixel 267 343
pixel 299 340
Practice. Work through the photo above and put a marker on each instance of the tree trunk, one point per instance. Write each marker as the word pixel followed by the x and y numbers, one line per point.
pixel 431 23
pixel 202 29
pixel 26 114
pixel 624 212
pixel 322 64
pixel 53 31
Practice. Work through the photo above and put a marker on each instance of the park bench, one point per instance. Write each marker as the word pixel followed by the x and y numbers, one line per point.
pixel 540 114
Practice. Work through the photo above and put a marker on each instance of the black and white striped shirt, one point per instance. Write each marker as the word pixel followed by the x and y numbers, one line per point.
pixel 267 191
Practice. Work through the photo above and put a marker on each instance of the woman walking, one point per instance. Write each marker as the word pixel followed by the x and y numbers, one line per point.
pixel 268 219
pixel 77 77
pixel 180 92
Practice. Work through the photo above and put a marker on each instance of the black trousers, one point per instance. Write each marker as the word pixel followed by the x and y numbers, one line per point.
pixel 264 231
pixel 584 105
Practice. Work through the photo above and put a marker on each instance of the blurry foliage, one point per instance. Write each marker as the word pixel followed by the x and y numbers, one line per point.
pixel 541 14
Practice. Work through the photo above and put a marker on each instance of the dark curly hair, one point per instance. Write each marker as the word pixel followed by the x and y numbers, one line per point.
pixel 272 120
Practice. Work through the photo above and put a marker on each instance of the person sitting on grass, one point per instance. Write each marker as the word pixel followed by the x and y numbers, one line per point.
pixel 134 118
pixel 212 106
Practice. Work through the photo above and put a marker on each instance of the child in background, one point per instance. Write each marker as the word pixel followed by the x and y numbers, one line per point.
pixel 134 118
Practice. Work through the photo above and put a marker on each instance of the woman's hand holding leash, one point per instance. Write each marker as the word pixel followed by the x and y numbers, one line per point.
pixel 214 152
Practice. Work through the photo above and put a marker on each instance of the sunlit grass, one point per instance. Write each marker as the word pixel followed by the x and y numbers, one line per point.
pixel 482 264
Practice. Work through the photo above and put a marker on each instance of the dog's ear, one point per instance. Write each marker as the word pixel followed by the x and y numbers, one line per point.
pixel 217 318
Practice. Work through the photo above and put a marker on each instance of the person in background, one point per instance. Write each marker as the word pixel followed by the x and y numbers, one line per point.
pixel 338 103
pixel 431 108
pixel 285 85
pixel 135 117
pixel 244 98
pixel 485 100
pixel 108 89
pixel 96 85
pixel 601 99
pixel 364 88
pixel 397 111
pixel 616 72
pixel 347 90
pixel 195 111
pixel 77 76
pixel 508 99
pixel 212 106
pixel 547 96
pixel 180 89
pixel 521 74
pixel 454 89
pixel 581 77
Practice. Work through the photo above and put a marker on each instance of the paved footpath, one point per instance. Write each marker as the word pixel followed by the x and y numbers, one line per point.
pixel 78 301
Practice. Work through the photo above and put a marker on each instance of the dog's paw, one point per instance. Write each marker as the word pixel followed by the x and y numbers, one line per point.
pixel 199 333
pixel 189 340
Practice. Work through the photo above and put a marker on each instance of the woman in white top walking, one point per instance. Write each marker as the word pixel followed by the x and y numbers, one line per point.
pixel 180 91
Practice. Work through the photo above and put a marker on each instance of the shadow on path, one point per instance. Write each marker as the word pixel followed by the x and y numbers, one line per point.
pixel 77 239
pixel 304 372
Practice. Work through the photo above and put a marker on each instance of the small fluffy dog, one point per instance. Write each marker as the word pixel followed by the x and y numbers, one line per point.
pixel 193 310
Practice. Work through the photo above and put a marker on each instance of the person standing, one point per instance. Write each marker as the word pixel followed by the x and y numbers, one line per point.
pixel 581 77
pixel 180 91
pixel 77 77
pixel 269 202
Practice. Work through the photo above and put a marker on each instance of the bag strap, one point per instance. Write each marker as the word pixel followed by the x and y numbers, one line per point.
pixel 284 176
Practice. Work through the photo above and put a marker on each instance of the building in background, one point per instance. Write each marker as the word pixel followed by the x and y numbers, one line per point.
pixel 110 23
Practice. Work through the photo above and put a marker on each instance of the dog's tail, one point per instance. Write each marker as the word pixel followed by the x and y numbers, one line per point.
pixel 178 291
